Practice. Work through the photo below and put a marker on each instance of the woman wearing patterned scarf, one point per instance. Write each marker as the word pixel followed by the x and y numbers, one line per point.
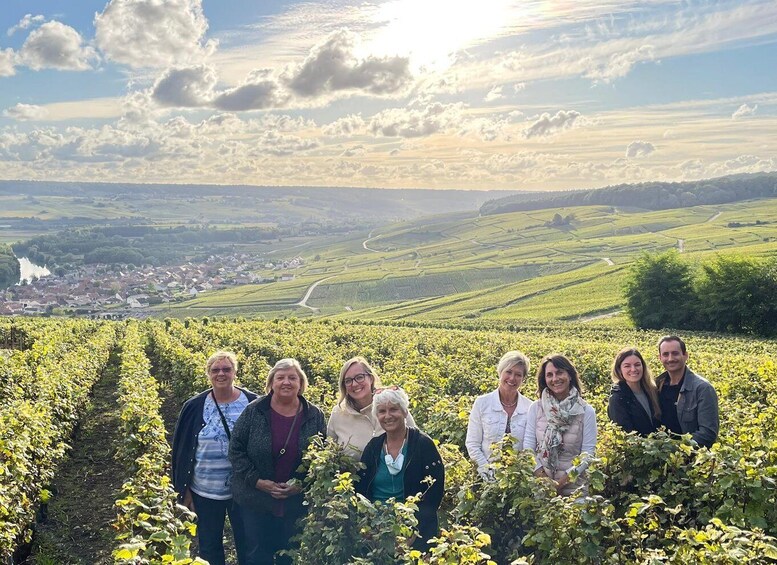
pixel 561 426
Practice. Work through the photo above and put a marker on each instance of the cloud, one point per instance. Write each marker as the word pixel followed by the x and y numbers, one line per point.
pixel 150 33
pixel 548 125
pixel 7 60
pixel 349 125
pixel 190 87
pixel 25 23
pixel 354 151
pixel 639 149
pixel 743 111
pixel 494 94
pixel 25 112
pixel 618 65
pixel 333 67
pixel 416 122
pixel 259 91
pixel 55 45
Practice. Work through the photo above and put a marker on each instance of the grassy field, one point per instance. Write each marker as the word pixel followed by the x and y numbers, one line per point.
pixel 500 267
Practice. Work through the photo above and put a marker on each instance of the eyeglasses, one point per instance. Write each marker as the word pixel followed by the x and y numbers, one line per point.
pixel 348 381
pixel 217 370
pixel 379 390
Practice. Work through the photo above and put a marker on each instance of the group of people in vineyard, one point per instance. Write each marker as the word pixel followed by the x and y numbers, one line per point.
pixel 239 454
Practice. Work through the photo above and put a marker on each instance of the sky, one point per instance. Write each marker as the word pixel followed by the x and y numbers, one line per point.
pixel 486 94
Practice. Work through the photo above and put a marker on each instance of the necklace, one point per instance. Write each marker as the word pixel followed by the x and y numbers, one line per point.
pixel 505 404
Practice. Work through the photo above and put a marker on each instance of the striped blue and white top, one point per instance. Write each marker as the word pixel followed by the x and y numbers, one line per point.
pixel 212 476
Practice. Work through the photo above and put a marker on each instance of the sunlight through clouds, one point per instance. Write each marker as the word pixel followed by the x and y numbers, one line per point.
pixel 389 93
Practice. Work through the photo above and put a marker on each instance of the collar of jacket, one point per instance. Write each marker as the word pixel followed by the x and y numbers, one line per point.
pixel 689 380
pixel 345 406
pixel 264 405
pixel 625 390
pixel 495 403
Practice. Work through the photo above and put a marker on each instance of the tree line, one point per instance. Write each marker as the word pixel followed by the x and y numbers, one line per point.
pixel 729 293
pixel 649 195
pixel 10 271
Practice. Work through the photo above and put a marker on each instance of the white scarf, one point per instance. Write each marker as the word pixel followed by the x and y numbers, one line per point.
pixel 559 415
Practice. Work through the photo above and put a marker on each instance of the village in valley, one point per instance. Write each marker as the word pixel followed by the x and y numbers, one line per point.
pixel 103 291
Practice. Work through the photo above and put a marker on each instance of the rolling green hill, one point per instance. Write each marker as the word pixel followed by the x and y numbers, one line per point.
pixel 498 267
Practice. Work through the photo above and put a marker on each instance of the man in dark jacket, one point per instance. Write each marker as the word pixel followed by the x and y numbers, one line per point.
pixel 689 403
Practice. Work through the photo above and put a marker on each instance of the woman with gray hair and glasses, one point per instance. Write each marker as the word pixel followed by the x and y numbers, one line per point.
pixel 397 462
pixel 202 474
pixel 499 413
pixel 352 423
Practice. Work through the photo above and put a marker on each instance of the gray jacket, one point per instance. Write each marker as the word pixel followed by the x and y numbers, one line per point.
pixel 250 451
pixel 697 407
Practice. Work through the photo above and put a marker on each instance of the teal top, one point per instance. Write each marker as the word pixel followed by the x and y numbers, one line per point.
pixel 385 485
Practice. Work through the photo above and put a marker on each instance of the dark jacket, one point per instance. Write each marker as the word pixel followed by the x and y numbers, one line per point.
pixel 188 427
pixel 625 410
pixel 250 451
pixel 422 460
pixel 697 407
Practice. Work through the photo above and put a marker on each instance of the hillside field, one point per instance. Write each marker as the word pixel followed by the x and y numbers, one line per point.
pixel 501 267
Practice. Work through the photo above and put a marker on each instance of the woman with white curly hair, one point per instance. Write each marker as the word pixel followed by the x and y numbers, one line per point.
pixel 398 461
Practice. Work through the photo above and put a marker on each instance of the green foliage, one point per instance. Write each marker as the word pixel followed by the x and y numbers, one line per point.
pixel 38 415
pixel 10 271
pixel 342 526
pixel 658 291
pixel 728 293
pixel 738 294
pixel 152 527
pixel 651 195
pixel 460 544
pixel 652 500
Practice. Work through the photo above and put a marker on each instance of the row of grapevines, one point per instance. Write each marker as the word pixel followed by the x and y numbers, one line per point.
pixel 725 494
pixel 152 527
pixel 36 424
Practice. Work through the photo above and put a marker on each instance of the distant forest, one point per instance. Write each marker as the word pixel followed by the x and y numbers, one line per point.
pixel 648 195
pixel 138 245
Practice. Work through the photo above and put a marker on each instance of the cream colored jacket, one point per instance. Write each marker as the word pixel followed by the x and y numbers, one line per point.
pixel 353 429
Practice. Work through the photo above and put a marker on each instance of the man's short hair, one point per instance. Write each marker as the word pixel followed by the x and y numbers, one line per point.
pixel 672 338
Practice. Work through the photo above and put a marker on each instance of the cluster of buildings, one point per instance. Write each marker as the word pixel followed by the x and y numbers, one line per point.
pixel 105 291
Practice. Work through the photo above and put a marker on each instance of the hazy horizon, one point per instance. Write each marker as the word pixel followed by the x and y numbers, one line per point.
pixel 494 95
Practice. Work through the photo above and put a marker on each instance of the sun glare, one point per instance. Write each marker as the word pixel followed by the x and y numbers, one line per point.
pixel 432 31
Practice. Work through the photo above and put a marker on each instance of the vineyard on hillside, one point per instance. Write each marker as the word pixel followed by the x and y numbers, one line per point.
pixel 654 500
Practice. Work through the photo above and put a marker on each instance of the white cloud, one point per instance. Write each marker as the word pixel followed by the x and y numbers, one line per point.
pixel 639 149
pixel 25 23
pixel 743 111
pixel 152 33
pixel 547 125
pixel 618 65
pixel 416 122
pixel 259 91
pixel 349 125
pixel 494 94
pixel 355 151
pixel 187 87
pixel 332 67
pixel 7 60
pixel 55 45
pixel 25 112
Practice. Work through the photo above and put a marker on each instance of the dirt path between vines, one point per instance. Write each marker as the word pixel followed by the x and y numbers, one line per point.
pixel 78 528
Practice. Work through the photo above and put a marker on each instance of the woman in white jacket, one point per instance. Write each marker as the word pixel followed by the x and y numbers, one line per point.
pixel 499 413
pixel 352 423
